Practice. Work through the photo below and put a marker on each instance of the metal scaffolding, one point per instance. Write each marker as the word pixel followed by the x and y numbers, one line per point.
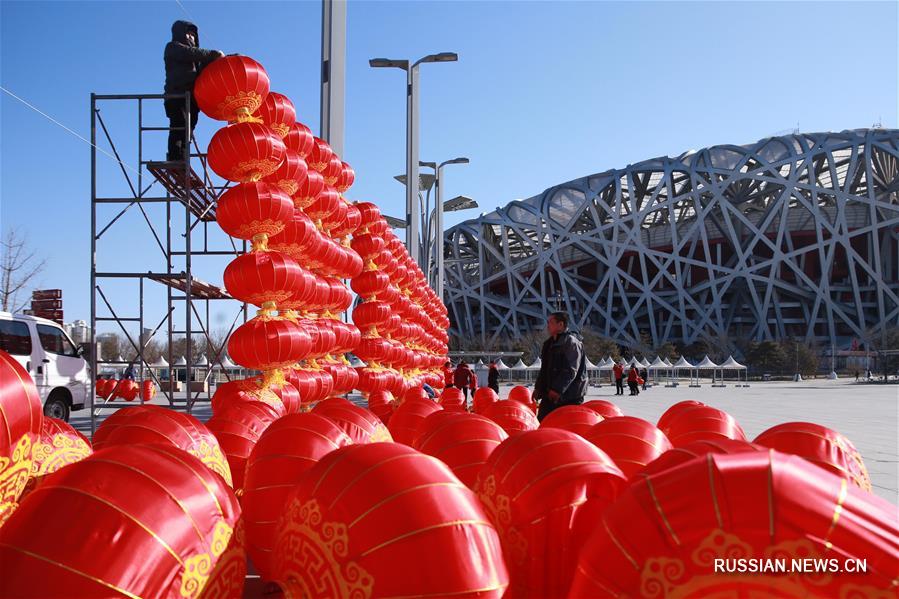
pixel 190 195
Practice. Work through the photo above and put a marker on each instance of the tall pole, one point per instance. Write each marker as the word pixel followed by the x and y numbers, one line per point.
pixel 331 127
pixel 438 241
pixel 413 210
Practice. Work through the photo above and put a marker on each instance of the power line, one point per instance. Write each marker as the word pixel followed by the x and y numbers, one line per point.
pixel 185 10
pixel 75 133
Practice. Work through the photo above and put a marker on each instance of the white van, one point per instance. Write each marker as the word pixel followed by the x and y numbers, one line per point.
pixel 44 349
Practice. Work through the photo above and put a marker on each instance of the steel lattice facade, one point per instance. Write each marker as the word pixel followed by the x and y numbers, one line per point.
pixel 794 236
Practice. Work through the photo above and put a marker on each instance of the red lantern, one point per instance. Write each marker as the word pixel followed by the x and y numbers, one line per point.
pixel 231 88
pixel 291 175
pixel 289 447
pixel 298 239
pixel 266 343
pixel 416 393
pixel 237 430
pixel 158 425
pixel 630 442
pixel 278 112
pixel 309 190
pixel 521 394
pixel 577 419
pixel 127 390
pixel 370 284
pixel 483 398
pixel 756 507
pixel 544 490
pixel 347 177
pixel 361 425
pixel 333 171
pixel 461 441
pixel 364 509
pixel 324 204
pixel 241 391
pixel 677 456
pixel 381 405
pixel 299 138
pixel 147 390
pixel 59 445
pixel 453 399
pixel 245 152
pixel 703 423
pixel 254 209
pixel 320 155
pixel 604 408
pixel 407 419
pixel 821 446
pixel 159 524
pixel 260 277
pixel 350 222
pixel 671 413
pixel 513 416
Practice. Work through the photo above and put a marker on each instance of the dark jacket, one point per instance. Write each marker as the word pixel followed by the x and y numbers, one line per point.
pixel 563 369
pixel 462 377
pixel 183 59
pixel 493 377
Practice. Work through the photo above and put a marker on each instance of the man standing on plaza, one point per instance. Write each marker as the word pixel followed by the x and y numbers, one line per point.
pixel 493 377
pixel 618 373
pixel 562 379
pixel 463 378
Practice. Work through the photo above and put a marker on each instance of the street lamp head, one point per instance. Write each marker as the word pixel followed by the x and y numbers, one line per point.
pixel 459 203
pixel 395 222
pixel 432 165
pixel 388 62
pixel 459 160
pixel 425 180
pixel 441 57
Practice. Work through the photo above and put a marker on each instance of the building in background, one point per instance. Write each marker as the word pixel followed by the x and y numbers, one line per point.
pixel 79 331
pixel 794 236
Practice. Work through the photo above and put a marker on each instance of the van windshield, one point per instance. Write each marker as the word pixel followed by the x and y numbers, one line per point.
pixel 15 338
pixel 55 341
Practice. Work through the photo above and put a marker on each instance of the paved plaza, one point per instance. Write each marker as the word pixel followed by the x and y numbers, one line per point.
pixel 868 414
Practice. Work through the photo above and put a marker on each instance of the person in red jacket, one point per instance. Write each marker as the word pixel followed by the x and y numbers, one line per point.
pixel 448 375
pixel 464 378
pixel 618 373
pixel 633 380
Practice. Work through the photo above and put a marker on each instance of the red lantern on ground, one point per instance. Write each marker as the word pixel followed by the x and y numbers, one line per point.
pixel 299 138
pixel 149 424
pixel 577 419
pixel 671 413
pixel 703 423
pixel 263 277
pixel 291 175
pixel 821 446
pixel 513 416
pixel 544 490
pixel 160 525
pixel 237 430
pixel 266 343
pixel 630 442
pixel 147 390
pixel 483 398
pixel 520 394
pixel 453 399
pixel 361 425
pixel 363 509
pixel 407 419
pixel 288 448
pixel 59 445
pixel 254 210
pixel 231 88
pixel 245 152
pixel 755 506
pixel 604 408
pixel 278 112
pixel 461 441
pixel 678 455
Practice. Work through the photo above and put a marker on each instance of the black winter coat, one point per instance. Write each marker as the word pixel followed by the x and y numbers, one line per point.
pixel 563 369
pixel 183 59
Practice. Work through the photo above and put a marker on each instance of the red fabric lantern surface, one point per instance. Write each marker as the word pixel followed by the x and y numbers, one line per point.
pixel 381 404
pixel 151 521
pixel 461 441
pixel 240 391
pixel 320 155
pixel 520 393
pixel 513 416
pixel 544 489
pixel 150 424
pixel 373 517
pixel 299 138
pixel 313 385
pixel 261 277
pixel 358 423
pixel 147 390
pixel 671 413
pixel 604 408
pixel 324 204
pixel 333 171
pixel 347 177
pixel 21 422
pixel 483 398
pixel 407 419
pixel 821 446
pixel 678 455
pixel 291 174
pixel 59 445
pixel 309 190
pixel 288 448
pixel 245 152
pixel 231 88
pixel 278 112
pixel 371 285
pixel 266 343
pixel 453 399
pixel 416 393
pixel 370 316
pixel 254 209
pixel 575 418
pixel 237 430
pixel 365 244
pixel 127 390
pixel 703 423
pixel 757 505
pixel 630 442
pixel 298 239
pixel 350 223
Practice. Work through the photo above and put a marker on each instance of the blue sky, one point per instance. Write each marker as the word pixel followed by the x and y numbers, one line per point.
pixel 544 92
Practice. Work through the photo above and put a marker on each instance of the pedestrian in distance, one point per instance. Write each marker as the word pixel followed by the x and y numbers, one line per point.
pixel 562 380
pixel 618 373
pixel 448 375
pixel 493 377
pixel 632 380
pixel 184 59
pixel 644 375
pixel 856 376
pixel 464 378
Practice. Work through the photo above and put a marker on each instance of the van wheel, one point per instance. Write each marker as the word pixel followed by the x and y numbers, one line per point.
pixel 56 406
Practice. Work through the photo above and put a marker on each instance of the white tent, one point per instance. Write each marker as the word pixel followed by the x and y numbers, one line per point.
pixel 643 363
pixel 607 364
pixel 590 365
pixel 181 361
pixel 500 365
pixel 707 364
pixel 202 361
pixel 227 363
pixel 658 364
pixel 536 365
pixel 519 365
pixel 479 363
pixel 159 363
pixel 667 363
pixel 682 364
pixel 731 364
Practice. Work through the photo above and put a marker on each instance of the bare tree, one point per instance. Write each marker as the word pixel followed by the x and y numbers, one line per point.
pixel 19 265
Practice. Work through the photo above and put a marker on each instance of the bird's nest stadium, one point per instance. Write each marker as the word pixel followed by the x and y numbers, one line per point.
pixel 793 236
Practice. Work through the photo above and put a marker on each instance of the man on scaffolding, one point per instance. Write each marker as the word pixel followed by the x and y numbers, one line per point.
pixel 184 60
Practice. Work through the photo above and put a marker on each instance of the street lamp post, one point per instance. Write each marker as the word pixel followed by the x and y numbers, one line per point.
pixel 412 210
pixel 439 208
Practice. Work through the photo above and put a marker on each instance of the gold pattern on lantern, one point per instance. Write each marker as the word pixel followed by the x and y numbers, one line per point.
pixel 254 169
pixel 196 573
pixel 243 105
pixel 212 458
pixel 14 474
pixel 228 575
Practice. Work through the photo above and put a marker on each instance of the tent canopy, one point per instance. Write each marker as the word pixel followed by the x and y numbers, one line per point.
pixel 160 363
pixel 590 365
pixel 667 363
pixel 536 365
pixel 181 361
pixel 500 365
pixel 227 363
pixel 519 365
pixel 657 363
pixel 731 364
pixel 683 363
pixel 706 364
pixel 202 361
